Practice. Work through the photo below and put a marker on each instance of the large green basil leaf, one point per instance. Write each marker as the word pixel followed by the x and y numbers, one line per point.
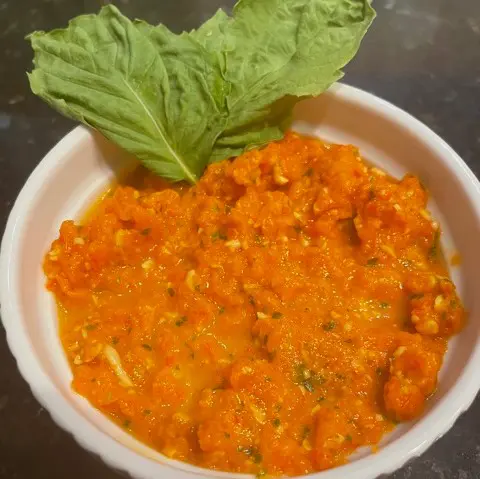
pixel 104 72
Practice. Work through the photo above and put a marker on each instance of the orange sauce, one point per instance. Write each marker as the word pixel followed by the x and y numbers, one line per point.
pixel 286 310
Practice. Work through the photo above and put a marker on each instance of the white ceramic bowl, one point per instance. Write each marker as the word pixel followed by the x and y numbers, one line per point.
pixel 82 164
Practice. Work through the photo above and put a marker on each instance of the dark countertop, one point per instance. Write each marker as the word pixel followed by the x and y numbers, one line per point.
pixel 422 55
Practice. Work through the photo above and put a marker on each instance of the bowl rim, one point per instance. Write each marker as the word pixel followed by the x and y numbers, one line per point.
pixel 391 457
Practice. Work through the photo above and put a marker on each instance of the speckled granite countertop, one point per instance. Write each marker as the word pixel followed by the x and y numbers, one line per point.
pixel 422 55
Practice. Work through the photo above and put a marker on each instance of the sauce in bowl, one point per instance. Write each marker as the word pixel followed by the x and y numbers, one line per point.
pixel 291 307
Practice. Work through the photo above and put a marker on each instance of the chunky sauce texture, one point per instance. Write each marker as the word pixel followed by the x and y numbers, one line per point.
pixel 288 309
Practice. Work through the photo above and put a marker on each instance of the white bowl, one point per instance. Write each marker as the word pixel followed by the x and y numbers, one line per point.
pixel 82 164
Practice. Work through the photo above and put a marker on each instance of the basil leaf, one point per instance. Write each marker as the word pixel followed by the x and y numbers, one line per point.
pixel 154 98
pixel 189 65
pixel 265 126
pixel 278 49
pixel 211 35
